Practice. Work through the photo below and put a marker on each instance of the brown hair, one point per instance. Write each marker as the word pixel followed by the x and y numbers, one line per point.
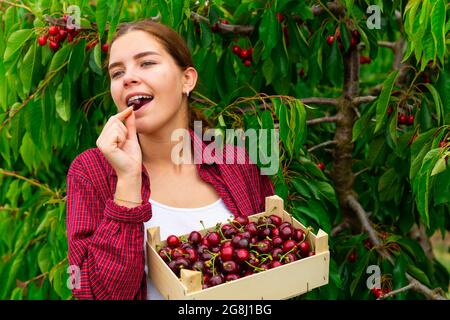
pixel 175 45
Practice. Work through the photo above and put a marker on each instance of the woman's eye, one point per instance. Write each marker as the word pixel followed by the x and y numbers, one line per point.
pixel 147 63
pixel 115 74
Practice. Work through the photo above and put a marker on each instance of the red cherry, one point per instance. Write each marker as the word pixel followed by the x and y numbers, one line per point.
pixel 244 54
pixel 226 253
pixel 105 47
pixel 365 60
pixel 277 253
pixel 236 49
pixel 54 45
pixel 410 120
pixel 280 17
pixel 353 42
pixel 356 35
pixel 247 63
pixel 321 166
pixel 390 110
pixel 277 241
pixel 192 254
pixel 275 264
pixel 179 253
pixel 304 248
pixel 240 221
pixel 195 237
pixel 330 40
pixel 231 277
pixel 242 255
pixel 173 241
pixel 225 22
pixel 69 38
pixel 403 119
pixel 352 256
pixel 276 220
pixel 289 245
pixel 215 27
pixel 299 235
pixel 377 292
pixel 53 30
pixel 442 144
pixel 165 254
pixel 42 40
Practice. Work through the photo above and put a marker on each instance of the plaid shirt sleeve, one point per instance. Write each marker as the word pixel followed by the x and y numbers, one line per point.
pixel 105 240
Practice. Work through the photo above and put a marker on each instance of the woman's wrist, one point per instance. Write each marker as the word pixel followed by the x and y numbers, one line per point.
pixel 128 191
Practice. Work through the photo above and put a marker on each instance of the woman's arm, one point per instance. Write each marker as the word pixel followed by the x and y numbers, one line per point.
pixel 106 243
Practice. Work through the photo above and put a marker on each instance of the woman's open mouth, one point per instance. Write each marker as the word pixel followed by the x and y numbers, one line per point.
pixel 138 102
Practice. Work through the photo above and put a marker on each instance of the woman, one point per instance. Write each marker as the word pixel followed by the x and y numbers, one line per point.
pixel 130 181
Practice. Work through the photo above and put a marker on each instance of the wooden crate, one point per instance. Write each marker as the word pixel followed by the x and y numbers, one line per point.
pixel 283 282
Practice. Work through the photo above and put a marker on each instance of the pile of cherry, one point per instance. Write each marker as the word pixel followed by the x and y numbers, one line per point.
pixel 237 249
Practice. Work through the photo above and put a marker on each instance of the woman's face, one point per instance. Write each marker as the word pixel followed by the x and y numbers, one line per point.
pixel 144 75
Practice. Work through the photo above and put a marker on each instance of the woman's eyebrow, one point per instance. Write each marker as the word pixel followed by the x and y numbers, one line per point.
pixel 137 56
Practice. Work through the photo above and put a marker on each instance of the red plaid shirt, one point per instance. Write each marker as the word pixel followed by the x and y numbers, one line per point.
pixel 106 240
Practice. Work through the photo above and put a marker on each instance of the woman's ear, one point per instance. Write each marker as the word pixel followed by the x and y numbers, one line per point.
pixel 190 79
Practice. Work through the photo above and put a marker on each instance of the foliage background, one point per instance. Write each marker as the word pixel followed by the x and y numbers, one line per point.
pixel 53 106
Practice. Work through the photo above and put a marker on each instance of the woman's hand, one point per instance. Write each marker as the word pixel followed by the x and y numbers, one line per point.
pixel 119 144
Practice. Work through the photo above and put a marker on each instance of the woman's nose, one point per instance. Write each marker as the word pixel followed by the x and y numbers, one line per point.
pixel 129 79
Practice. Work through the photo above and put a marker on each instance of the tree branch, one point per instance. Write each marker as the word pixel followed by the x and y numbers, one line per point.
pixel 339 228
pixel 323 144
pixel 320 100
pixel 394 292
pixel 387 44
pixel 364 99
pixel 362 216
pixel 225 28
pixel 321 120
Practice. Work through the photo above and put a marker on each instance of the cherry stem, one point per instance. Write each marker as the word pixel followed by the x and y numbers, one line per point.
pixel 254 267
pixel 290 251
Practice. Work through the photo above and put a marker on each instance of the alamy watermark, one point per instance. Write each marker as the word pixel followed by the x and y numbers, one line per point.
pixel 263 147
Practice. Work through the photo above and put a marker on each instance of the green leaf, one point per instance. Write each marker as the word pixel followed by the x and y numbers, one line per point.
pixel 62 97
pixel 360 268
pixel 76 60
pixel 327 191
pixel 44 258
pixel 268 70
pixel 116 10
pixel 385 184
pixel 438 27
pixel 383 99
pixel 422 184
pixel 418 274
pixel 419 149
pixel 28 151
pixel 440 166
pixel 345 37
pixel 299 133
pixel 59 59
pixel 29 66
pixel 301 187
pixel 101 15
pixel 437 101
pixel 17 294
pixel 316 211
pixel 335 66
pixel 399 275
pixel 15 42
pixel 269 32
pixel 33 121
pixel 206 34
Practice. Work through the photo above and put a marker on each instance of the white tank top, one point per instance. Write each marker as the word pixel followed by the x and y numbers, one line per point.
pixel 179 221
